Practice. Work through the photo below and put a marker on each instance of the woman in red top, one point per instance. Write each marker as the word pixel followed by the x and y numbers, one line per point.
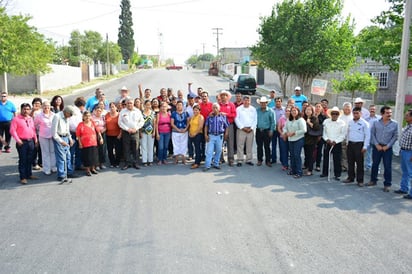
pixel 86 134
pixel 113 136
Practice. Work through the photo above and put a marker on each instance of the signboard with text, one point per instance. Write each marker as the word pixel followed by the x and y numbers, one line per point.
pixel 319 87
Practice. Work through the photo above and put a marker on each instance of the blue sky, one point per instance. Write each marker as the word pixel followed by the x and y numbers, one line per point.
pixel 175 28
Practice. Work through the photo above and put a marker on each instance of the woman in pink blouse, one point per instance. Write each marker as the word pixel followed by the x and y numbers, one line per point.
pixel 100 123
pixel 283 141
pixel 43 122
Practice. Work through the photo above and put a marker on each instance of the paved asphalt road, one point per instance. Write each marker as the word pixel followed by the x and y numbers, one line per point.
pixel 171 219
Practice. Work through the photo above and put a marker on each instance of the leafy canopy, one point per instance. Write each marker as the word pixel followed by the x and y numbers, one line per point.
pixel 382 41
pixel 22 49
pixel 356 81
pixel 305 38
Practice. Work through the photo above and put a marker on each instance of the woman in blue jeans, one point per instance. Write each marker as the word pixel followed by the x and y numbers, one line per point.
pixel 295 130
pixel 163 131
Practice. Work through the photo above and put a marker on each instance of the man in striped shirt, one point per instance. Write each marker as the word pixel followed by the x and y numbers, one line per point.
pixel 405 142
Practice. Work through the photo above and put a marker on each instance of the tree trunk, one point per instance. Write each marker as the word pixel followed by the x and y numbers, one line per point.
pixel 282 79
pixel 5 86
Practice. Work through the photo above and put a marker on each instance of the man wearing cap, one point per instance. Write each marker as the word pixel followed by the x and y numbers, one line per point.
pixel 299 97
pixel 62 142
pixel 265 126
pixel 92 101
pixel 228 109
pixel 384 134
pixel 272 97
pixel 23 131
pixel 358 142
pixel 364 111
pixel 189 90
pixel 334 133
pixel 189 106
pixel 246 120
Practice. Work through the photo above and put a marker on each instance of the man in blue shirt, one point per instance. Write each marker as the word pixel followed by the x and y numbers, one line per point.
pixel 384 134
pixel 299 98
pixel 7 113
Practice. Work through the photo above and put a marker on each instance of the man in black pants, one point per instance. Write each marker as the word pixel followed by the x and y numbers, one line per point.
pixel 334 133
pixel 358 141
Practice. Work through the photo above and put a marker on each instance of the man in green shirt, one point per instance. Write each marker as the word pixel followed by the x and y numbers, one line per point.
pixel 266 123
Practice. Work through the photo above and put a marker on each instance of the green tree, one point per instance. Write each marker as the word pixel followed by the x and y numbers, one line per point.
pixel 192 60
pixel 382 41
pixel 22 49
pixel 87 44
pixel 125 35
pixel 206 57
pixel 356 81
pixel 115 54
pixel 305 39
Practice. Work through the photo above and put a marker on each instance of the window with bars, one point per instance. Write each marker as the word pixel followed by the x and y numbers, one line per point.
pixel 382 78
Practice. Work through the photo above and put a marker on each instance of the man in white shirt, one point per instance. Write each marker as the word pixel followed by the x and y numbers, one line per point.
pixel 334 133
pixel 62 142
pixel 346 117
pixel 246 121
pixel 130 121
pixel 358 142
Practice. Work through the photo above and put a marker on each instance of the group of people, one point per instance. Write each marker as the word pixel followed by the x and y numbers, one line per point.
pixel 147 129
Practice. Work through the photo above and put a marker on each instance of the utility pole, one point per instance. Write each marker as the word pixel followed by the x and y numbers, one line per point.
pixel 217 39
pixel 108 57
pixel 203 45
pixel 403 65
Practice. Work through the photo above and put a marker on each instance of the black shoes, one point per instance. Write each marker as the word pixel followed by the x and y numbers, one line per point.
pixel 72 176
pixel 323 175
pixel 400 192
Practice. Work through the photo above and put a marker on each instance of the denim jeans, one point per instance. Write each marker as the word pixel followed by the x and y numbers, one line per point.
pixel 25 152
pixel 368 160
pixel 284 152
pixel 63 159
pixel 213 150
pixel 295 148
pixel 275 138
pixel 75 152
pixel 406 167
pixel 163 145
pixel 387 165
